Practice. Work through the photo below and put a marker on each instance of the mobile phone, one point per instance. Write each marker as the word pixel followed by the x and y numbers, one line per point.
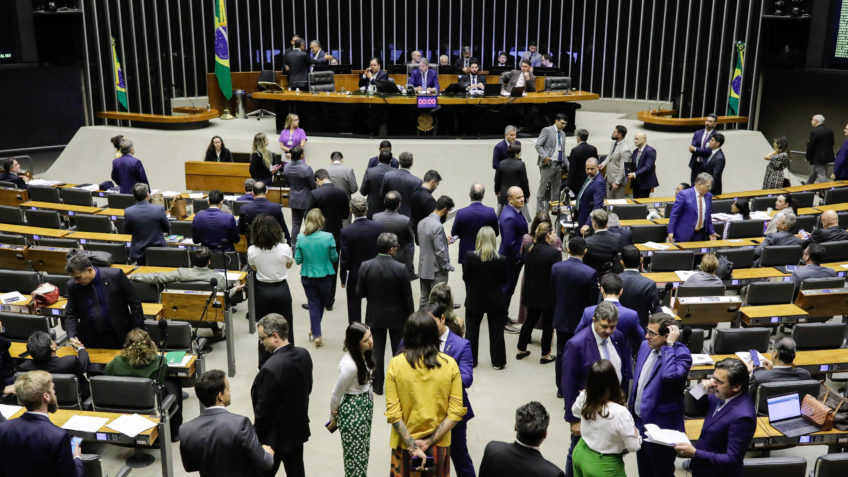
pixel 416 462
pixel 75 442
pixel 331 426
pixel 755 357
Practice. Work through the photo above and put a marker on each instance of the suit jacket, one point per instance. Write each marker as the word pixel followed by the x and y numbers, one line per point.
pixel 215 229
pixel 334 204
pixel 823 235
pixel 280 396
pixel 640 294
pixel 537 275
pixel 297 62
pixel 546 145
pixel 573 288
pixel 840 163
pixel 15 179
pixel 381 75
pixel 421 204
pixel 625 234
pixel 662 397
pixel 226 155
pixel 416 79
pixel 343 177
pixel 725 438
pixel 257 207
pixel 702 279
pixel 506 460
pixel 465 80
pixel 374 161
pixel 593 198
pixel 127 171
pixel 513 226
pixel 146 223
pixel 218 442
pixel 468 221
pixel 646 170
pixel 259 171
pixel 372 182
pixel 702 148
pixel 460 63
pixel 358 244
pixel 123 309
pixel 615 163
pixel 433 254
pixel 810 271
pixel 510 78
pixel 781 237
pixel 400 225
pixel 684 215
pixel 301 180
pixel 511 172
pixel 628 324
pixel 76 365
pixel 317 60
pixel 404 183
pixel 761 376
pixel 581 352
pixel 459 349
pixel 577 165
pixel 483 282
pixel 499 152
pixel 384 283
pixel 820 145
pixel 32 445
pixel 7 366
pixel 714 166
pixel 601 249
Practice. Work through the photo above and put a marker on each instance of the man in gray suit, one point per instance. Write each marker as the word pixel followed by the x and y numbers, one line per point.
pixel 218 442
pixel 342 176
pixel 400 225
pixel 433 258
pixel 522 78
pixel 812 257
pixel 782 236
pixel 619 155
pixel 783 353
pixel 552 160
pixel 301 182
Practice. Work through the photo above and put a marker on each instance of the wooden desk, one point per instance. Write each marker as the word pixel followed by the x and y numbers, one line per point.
pixel 750 193
pixel 772 315
pixel 61 416
pixel 655 201
pixel 706 245
pixel 35 232
pixel 823 303
pixel 661 220
pixel 664 117
pixel 198 117
pixel 531 98
pixel 809 211
pixel 127 269
pixel 48 259
pixel 153 310
pixel 738 275
pixel 761 434
pixel 644 248
pixel 767 436
pixel 706 310
pixel 13 197
pixel 101 236
pixel 818 362
pixel 223 176
pixel 69 208
pixel 834 207
pixel 629 223
pixel 818 186
pixel 114 213
pixel 839 267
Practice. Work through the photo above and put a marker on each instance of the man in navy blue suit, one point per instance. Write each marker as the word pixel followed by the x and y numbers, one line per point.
pixel 700 147
pixel 146 222
pixel 513 226
pixel 691 215
pixel 715 162
pixel 384 146
pixel 659 377
pixel 358 243
pixel 373 73
pixel 261 205
pixel 127 170
pixel 574 286
pixel 213 227
pixel 424 79
pixel 501 148
pixel 469 220
pixel 403 181
pixel 591 194
pixel 31 444
pixel 628 319
pixel 729 426
pixel 599 341
pixel 644 158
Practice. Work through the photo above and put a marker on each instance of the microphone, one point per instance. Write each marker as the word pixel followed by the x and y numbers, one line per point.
pixel 163 332
pixel 213 282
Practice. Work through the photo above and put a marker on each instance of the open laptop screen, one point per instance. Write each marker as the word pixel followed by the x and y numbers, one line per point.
pixel 784 407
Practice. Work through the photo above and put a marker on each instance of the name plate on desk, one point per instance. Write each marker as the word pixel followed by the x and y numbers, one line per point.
pixel 427 102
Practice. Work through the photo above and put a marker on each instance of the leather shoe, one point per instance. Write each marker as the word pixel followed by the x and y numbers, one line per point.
pixel 510 328
pixel 328 307
pixel 522 354
pixel 559 394
pixel 547 359
pixel 305 306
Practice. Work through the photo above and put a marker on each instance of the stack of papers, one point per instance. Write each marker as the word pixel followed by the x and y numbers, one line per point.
pixel 11 297
pixel 666 437
pixel 616 201
pixel 8 411
pixel 170 193
pixel 131 424
pixel 702 360
pixel 85 423
pixel 88 187
pixel 196 195
pixel 657 246
pixel 44 182
pixel 684 275
pixel 760 215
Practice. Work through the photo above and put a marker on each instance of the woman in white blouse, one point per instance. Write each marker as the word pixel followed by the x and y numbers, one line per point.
pixel 607 429
pixel 352 405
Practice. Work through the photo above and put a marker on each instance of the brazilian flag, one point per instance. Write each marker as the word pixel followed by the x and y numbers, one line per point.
pixel 120 81
pixel 222 50
pixel 736 81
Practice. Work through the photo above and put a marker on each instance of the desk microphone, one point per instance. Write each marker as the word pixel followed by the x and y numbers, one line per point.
pixel 163 332
pixel 213 282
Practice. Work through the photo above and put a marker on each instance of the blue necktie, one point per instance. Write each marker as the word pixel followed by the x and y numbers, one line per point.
pixel 606 350
pixel 720 405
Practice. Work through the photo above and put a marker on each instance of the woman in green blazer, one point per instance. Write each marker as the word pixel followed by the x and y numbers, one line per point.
pixel 315 252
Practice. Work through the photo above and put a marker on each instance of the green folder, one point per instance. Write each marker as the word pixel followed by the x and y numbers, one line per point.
pixel 175 357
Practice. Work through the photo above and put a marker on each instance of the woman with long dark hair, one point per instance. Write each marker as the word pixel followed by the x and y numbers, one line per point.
pixel 606 426
pixel 739 210
pixel 423 400
pixel 217 152
pixel 778 161
pixel 351 404
pixel 782 204
pixel 538 262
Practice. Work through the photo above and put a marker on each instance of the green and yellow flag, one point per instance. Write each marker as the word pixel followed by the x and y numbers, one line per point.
pixel 736 82
pixel 222 50
pixel 120 82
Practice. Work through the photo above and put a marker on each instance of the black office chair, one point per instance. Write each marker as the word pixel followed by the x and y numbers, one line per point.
pixel 649 233
pixel 832 196
pixel 745 228
pixel 44 194
pixel 762 203
pixel 783 466
pixel 92 466
pixel 120 201
pixel 237 205
pixel 803 199
pixel 11 215
pixel 670 261
pixel 818 335
pixel 13 239
pixel 830 465
pixel 179 334
pixel 58 242
pixel 167 257
pixel 147 292
pixel 835 251
pixel 119 223
pixel 805 222
pixel 19 326
pixel 128 395
pixel 43 218
pixel 77 197
pixel 630 211
pixel 770 293
pixel 731 340
pixel 322 81
pixel 722 206
pixel 843 219
pixel 181 227
pixel 19 280
pixel 779 388
pixel 692 291
pixel 93 223
pixel 200 204
pixel 557 83
pixel 118 250
pixel 8 185
pixel 59 281
pixel 696 341
pixel 780 255
pixel 668 207
pixel 740 256
pixel 68 392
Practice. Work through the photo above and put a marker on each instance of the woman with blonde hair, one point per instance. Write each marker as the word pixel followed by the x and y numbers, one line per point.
pixel 263 163
pixel 292 135
pixel 484 273
pixel 315 251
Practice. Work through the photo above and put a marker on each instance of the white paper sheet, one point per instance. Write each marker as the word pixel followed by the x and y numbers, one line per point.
pixel 746 356
pixel 233 276
pixel 697 391
pixel 667 437
pixel 684 275
pixel 11 297
pixel 44 182
pixel 8 411
pixel 657 246
pixel 131 424
pixel 85 423
pixel 701 359
pixel 616 201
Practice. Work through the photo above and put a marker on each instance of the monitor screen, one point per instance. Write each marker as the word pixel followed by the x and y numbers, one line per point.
pixel 838 37
pixel 784 407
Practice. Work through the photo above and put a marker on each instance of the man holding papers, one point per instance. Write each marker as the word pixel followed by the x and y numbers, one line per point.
pixel 657 396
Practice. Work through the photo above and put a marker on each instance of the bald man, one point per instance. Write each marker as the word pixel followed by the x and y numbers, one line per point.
pixel 513 226
pixel 828 232
pixel 644 178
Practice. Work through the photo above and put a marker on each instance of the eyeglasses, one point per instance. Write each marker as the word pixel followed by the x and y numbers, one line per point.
pixel 652 333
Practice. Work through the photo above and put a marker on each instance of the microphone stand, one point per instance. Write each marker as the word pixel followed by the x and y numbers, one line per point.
pixel 160 382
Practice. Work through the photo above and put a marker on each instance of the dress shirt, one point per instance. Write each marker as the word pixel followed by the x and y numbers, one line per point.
pixel 520 82
pixel 636 155
pixel 347 383
pixel 712 153
pixel 270 264
pixel 583 189
pixel 612 434
pixel 723 402
pixel 647 370
pixel 527 446
pixel 607 351
pixel 705 138
pixel 443 339
pixel 217 407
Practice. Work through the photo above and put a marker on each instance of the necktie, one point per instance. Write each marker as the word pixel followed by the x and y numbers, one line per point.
pixel 700 212
pixel 720 405
pixel 425 80
pixel 636 159
pixel 580 194
pixel 605 349
pixel 647 370
pixel 559 147
pixel 473 80
pixel 705 139
pixel 613 147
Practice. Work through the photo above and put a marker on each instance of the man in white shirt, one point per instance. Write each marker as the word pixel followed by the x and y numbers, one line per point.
pixel 519 78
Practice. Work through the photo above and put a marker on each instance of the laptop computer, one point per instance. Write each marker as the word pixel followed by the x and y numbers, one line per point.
pixel 493 89
pixel 517 92
pixel 784 414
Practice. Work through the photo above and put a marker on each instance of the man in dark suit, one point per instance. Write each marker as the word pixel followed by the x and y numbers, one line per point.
pixel 577 160
pixel 301 181
pixel 700 146
pixel 692 211
pixel 729 426
pixel 591 194
pixel 614 226
pixel 469 220
pixel 102 305
pixel 512 173
pixel 372 183
pixel 423 79
pixel 638 293
pixel 385 145
pixel 499 152
pixel 400 225
pixel 261 205
pixel 829 230
pixel 714 163
pixel 599 341
pixel 783 236
pixel 373 73
pixel 213 227
pixel 524 78
pixel 218 442
pixel 7 370
pixel 128 171
pixel 422 203
pixel 384 283
pixel 781 369
pixel 280 396
pixel 473 81
pixel 334 204
pixel 522 457
pixel 662 369
pixel 32 445
pixel 146 222
pixel 318 59
pixel 513 226
pixel 628 319
pixel 358 243
pixel 819 149
pixel 248 190
pixel 812 258
pixel 465 61
pixel 296 64
pixel 42 350
pixel 402 181
pixel 644 159
pixel 11 170
pixel 601 247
